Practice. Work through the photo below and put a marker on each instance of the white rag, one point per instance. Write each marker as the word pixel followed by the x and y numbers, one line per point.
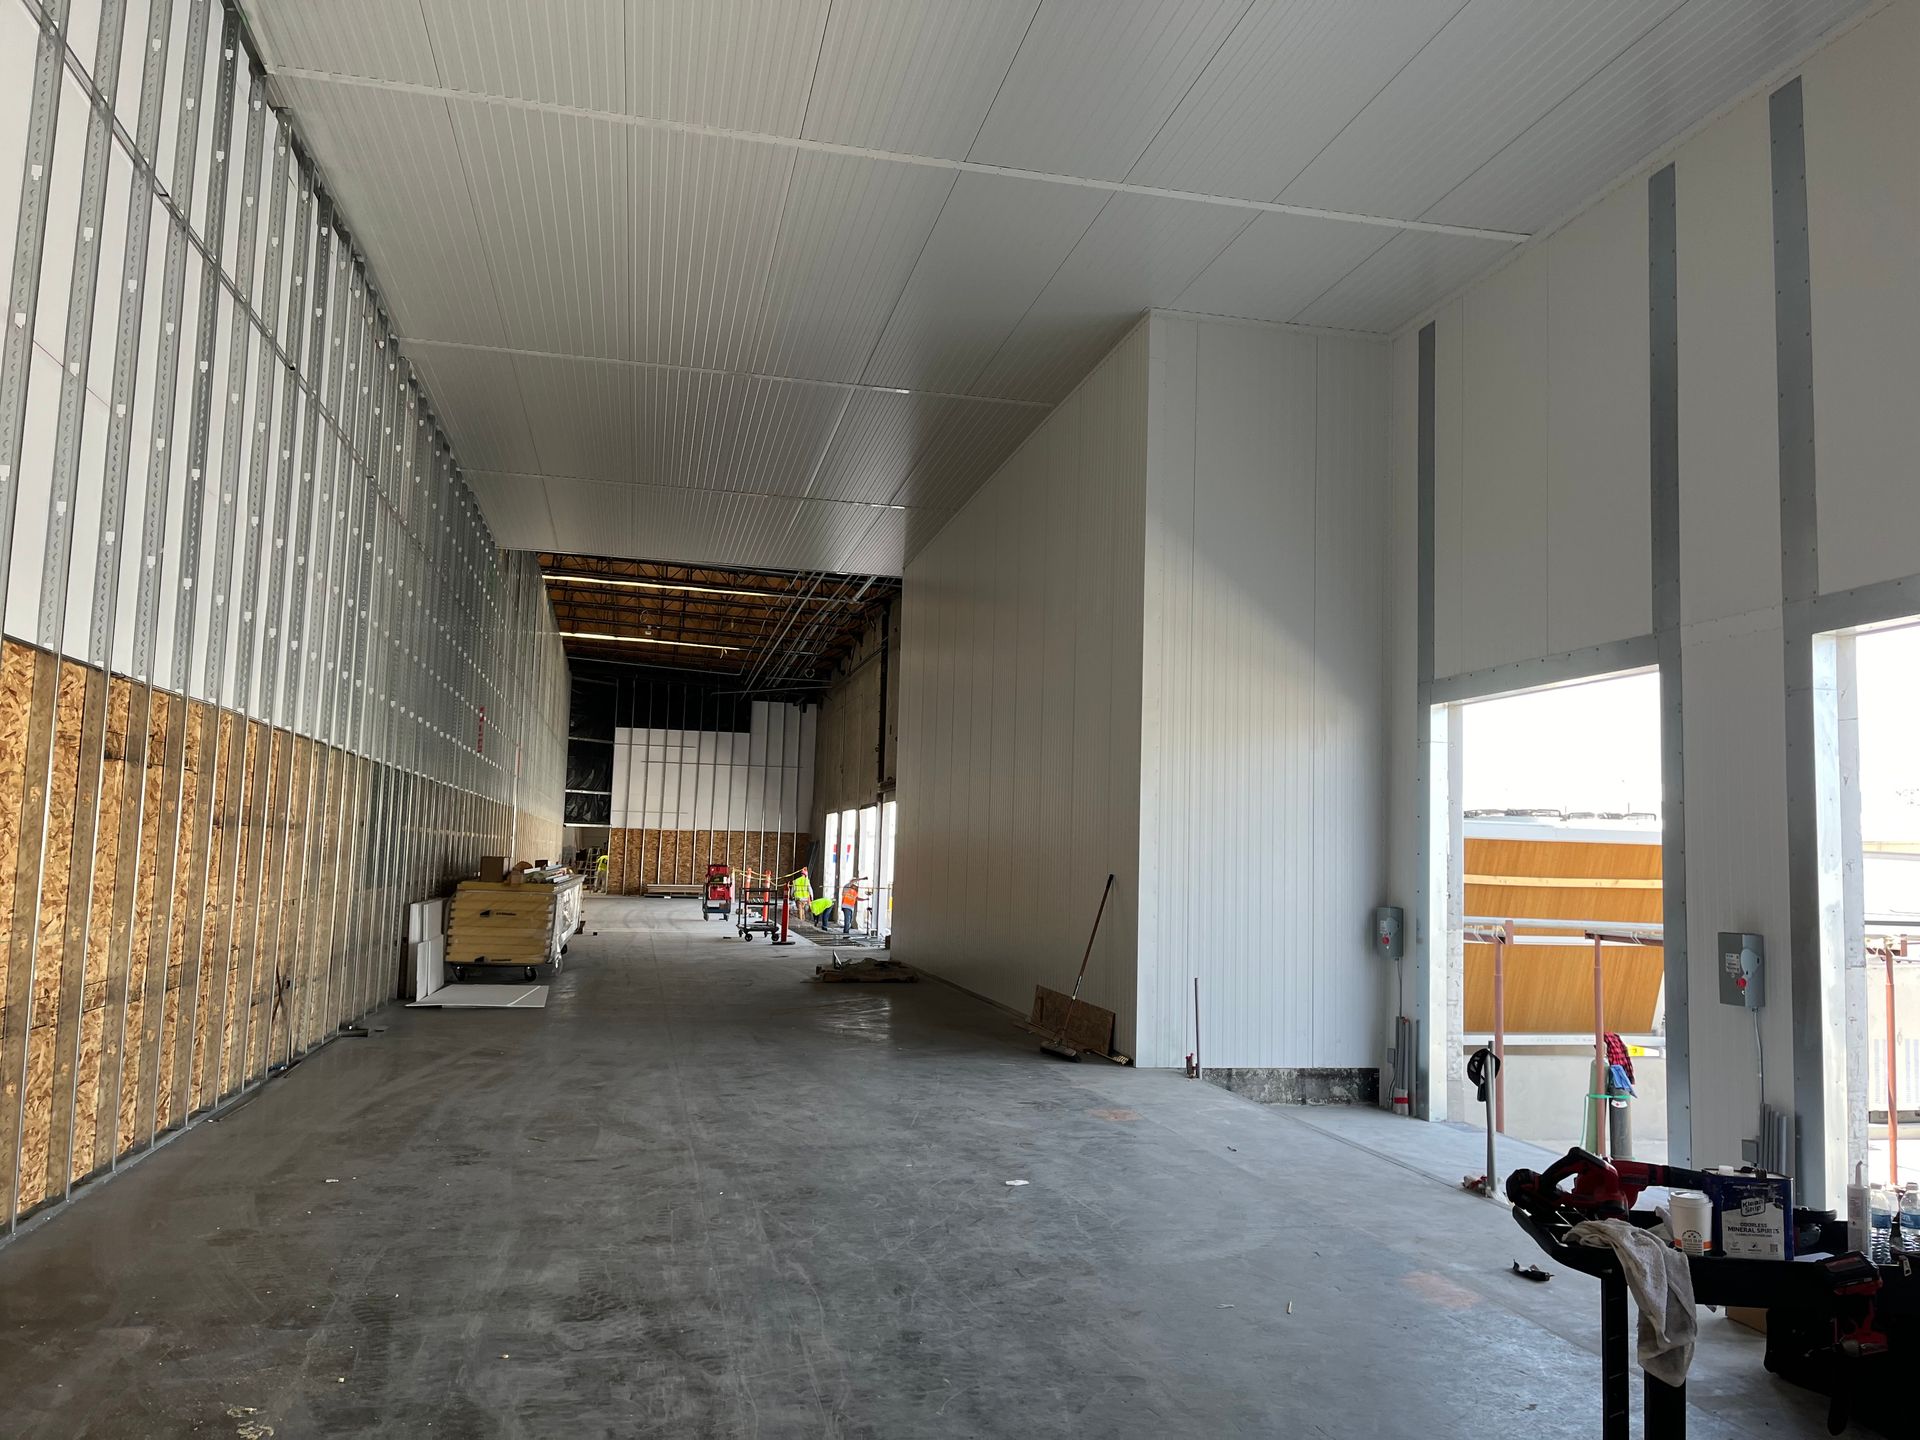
pixel 1662 1287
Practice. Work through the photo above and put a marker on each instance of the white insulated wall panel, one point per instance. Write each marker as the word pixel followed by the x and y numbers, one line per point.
pixel 1736 747
pixel 1449 505
pixel 1503 563
pixel 1019 710
pixel 717 779
pixel 1599 512
pixel 1729 423
pixel 1862 110
pixel 1262 716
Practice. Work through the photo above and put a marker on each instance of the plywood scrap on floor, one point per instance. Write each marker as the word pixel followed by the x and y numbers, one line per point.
pixel 1088 1026
pixel 875 971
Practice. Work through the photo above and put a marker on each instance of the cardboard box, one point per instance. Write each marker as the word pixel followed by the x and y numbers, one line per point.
pixel 493 868
pixel 1750 1316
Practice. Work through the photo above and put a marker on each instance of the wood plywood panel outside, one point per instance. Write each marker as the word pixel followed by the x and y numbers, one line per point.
pixel 41 1105
pixel 103 1006
pixel 183 946
pixel 1549 988
pixel 265 1020
pixel 209 1031
pixel 144 1005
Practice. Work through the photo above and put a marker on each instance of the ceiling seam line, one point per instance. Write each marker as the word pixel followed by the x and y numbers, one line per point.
pixel 1552 109
pixel 1072 250
pixel 859 152
pixel 729 374
pixel 700 490
pixel 813 75
pixel 1333 138
pixel 1198 76
pixel 926 241
pixel 1012 60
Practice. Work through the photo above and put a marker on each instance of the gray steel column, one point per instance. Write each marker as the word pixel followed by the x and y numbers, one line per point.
pixel 1423 940
pixel 1663 401
pixel 1799 585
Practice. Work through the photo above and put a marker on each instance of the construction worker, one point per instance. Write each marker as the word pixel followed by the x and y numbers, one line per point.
pixel 802 893
pixel 849 905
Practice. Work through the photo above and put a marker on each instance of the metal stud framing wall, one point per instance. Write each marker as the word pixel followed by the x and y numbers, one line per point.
pixel 266 676
pixel 1680 431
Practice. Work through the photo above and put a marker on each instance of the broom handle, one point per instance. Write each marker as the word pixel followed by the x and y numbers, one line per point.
pixel 1074 999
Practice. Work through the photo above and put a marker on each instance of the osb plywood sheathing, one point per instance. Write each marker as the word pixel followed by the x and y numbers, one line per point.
pixel 214 902
pixel 141 808
pixel 183 924
pixel 105 1001
pixel 27 1027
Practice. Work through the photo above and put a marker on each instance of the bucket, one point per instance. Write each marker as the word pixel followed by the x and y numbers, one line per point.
pixel 1690 1216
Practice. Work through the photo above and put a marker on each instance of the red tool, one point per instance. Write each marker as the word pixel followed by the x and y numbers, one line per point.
pixel 1601 1188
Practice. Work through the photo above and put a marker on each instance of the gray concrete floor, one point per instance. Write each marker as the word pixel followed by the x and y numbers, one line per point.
pixel 697 1197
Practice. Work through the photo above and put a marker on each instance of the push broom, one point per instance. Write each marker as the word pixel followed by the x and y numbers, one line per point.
pixel 1058 1044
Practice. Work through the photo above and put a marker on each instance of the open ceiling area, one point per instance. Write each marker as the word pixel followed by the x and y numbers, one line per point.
pixel 779 283
pixel 766 633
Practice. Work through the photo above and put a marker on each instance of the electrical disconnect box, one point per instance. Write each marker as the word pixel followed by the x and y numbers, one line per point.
pixel 1387 922
pixel 1742 969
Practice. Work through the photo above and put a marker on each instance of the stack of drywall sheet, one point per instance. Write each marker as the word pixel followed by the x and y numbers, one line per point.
pixel 427 945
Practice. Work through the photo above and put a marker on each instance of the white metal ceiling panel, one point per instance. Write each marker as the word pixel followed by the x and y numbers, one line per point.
pixel 919 449
pixel 1677 75
pixel 1279 265
pixel 1412 271
pixel 913 76
pixel 565 52
pixel 736 64
pixel 998 242
pixel 1294 73
pixel 1495 69
pixel 967 442
pixel 515 508
pixel 825 532
pixel 658 425
pixel 550 192
pixel 1096 79
pixel 589 513
pixel 580 414
pixel 477 396
pixel 378 39
pixel 783 429
pixel 850 233
pixel 408 209
pixel 882 550
pixel 701 527
pixel 706 211
pixel 874 447
pixel 1142 251
pixel 922 526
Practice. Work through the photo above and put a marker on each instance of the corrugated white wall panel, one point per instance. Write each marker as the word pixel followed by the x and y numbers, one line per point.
pixel 1736 746
pixel 1503 522
pixel 1262 704
pixel 1599 520
pixel 1729 427
pixel 1019 710
pixel 1863 219
pixel 716 780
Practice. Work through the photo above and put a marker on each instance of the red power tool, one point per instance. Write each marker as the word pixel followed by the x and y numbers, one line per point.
pixel 1602 1189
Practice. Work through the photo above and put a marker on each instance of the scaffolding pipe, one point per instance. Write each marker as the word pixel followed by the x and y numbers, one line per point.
pixel 1600 1068
pixel 1893 1080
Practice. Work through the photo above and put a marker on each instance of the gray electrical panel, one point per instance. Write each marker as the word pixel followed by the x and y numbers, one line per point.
pixel 1742 969
pixel 1387 925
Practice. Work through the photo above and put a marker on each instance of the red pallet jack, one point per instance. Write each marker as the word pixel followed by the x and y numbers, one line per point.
pixel 1832 1324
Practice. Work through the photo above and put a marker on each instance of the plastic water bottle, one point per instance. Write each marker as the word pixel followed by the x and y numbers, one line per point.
pixel 1910 1216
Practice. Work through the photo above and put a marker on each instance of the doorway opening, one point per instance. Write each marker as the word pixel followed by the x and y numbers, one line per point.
pixel 1554 899
pixel 1880 838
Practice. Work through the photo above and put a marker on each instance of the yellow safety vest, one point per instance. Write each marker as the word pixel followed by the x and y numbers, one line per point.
pixel 802 887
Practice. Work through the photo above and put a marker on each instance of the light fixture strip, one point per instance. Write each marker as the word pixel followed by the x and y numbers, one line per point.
pixel 641 640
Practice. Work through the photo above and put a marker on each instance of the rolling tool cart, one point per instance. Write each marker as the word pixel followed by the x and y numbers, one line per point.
pixel 1836 1322
pixel 718 896
pixel 763 909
